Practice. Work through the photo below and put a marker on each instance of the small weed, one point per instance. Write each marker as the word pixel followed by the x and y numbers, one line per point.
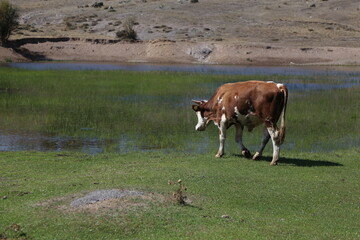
pixel 14 232
pixel 178 195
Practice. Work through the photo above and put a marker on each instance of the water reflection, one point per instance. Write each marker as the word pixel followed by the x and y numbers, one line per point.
pixel 37 142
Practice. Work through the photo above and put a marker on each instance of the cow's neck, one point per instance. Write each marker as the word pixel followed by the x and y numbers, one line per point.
pixel 211 110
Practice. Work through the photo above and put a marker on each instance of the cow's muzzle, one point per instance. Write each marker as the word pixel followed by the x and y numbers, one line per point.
pixel 200 128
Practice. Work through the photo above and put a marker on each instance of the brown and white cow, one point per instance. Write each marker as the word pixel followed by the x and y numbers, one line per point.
pixel 246 104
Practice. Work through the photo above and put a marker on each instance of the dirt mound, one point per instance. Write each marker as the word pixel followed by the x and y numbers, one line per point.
pixel 103 195
pixel 105 201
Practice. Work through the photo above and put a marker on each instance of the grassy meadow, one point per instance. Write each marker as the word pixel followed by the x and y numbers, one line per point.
pixel 313 193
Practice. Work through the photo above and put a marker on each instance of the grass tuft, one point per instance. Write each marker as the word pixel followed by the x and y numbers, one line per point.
pixel 179 194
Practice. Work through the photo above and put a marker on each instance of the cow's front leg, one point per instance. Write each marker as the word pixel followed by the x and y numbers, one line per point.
pixel 222 137
pixel 264 141
pixel 274 134
pixel 238 138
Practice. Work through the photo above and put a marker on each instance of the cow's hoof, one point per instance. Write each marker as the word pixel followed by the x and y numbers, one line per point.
pixel 218 155
pixel 273 163
pixel 246 153
pixel 256 156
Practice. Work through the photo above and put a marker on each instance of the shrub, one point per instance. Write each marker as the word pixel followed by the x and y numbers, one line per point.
pixel 128 33
pixel 8 20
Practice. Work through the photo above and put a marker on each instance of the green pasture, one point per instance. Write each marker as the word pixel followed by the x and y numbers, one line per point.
pixel 307 196
pixel 314 192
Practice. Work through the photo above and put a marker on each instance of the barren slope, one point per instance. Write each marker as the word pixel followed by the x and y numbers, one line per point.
pixel 233 27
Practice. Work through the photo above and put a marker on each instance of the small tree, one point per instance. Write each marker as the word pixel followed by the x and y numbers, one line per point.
pixel 8 20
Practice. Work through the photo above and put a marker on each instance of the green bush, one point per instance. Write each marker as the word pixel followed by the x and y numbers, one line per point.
pixel 8 20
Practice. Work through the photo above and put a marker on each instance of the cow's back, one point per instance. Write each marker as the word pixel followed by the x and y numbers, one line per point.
pixel 263 99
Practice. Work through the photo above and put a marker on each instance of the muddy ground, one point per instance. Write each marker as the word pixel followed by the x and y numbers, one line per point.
pixel 248 32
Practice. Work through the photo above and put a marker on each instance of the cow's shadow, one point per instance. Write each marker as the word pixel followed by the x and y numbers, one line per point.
pixel 299 162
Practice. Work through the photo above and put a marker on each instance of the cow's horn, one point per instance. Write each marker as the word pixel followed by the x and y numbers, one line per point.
pixel 196 102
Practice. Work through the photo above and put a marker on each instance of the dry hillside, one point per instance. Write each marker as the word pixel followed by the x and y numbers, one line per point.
pixel 216 24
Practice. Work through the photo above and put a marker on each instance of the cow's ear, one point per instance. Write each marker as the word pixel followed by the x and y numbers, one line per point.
pixel 195 108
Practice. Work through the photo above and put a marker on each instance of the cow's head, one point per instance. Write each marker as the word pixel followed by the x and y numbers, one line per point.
pixel 202 113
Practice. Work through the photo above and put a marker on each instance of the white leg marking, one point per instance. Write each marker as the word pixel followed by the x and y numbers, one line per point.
pixel 222 136
pixel 274 134
pixel 223 118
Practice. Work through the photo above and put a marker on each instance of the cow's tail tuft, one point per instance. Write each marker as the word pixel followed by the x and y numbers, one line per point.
pixel 282 124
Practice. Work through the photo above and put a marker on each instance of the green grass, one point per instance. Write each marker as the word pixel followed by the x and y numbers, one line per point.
pixel 308 196
pixel 312 194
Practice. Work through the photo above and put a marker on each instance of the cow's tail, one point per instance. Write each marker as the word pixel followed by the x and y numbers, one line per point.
pixel 283 112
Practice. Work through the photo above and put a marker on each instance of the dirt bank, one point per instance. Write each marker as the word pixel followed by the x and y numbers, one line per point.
pixel 9 55
pixel 165 51
pixel 269 32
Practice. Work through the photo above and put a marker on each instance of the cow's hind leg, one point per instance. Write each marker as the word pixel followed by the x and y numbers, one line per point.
pixel 264 141
pixel 238 138
pixel 274 134
pixel 222 137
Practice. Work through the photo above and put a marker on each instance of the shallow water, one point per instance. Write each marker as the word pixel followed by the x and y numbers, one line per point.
pixel 17 141
pixel 327 78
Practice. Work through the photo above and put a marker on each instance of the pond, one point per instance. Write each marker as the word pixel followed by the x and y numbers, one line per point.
pixel 97 108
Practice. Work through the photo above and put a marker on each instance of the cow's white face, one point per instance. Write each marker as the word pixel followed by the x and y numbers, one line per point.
pixel 203 120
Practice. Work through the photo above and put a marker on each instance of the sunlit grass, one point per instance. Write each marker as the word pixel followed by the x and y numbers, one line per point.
pixel 309 196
